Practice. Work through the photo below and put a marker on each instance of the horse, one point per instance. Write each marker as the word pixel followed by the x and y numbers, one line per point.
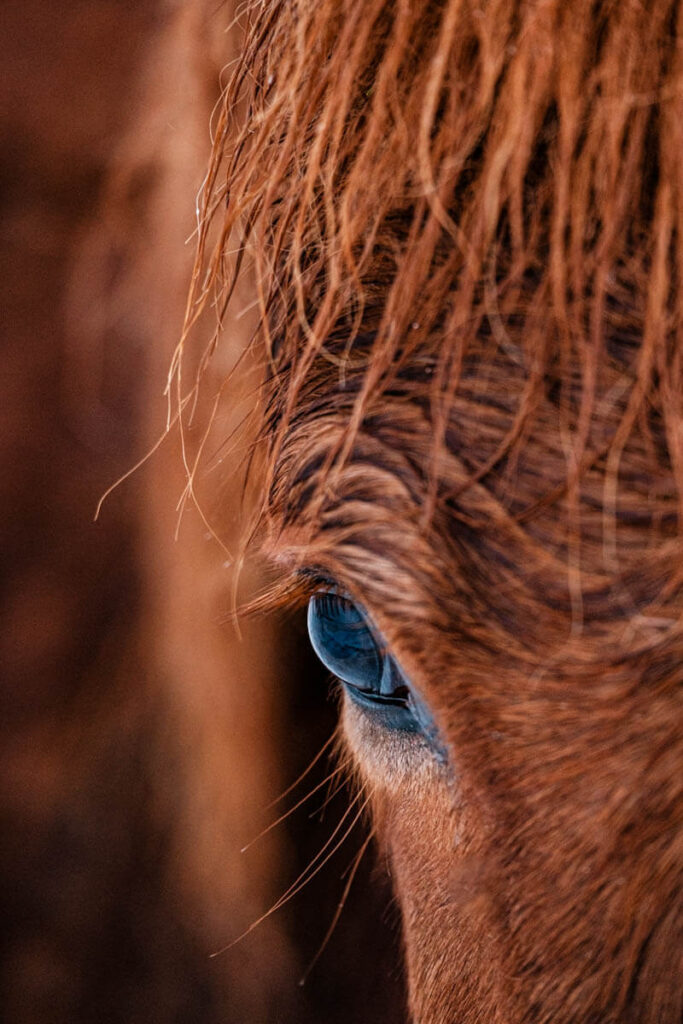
pixel 462 221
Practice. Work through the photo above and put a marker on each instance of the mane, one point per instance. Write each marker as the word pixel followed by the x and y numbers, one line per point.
pixel 464 226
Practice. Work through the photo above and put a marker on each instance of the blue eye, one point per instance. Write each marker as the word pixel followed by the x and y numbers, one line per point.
pixel 346 644
pixel 343 641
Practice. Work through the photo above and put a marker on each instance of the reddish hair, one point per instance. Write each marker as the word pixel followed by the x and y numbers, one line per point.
pixel 465 227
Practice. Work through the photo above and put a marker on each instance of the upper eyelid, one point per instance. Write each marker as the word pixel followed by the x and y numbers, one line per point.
pixel 317 578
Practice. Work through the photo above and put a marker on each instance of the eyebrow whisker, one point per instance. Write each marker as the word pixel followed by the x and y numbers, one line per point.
pixel 306 875
pixel 283 817
pixel 352 871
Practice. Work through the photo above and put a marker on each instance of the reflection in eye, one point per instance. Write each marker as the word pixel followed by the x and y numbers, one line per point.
pixel 347 644
pixel 343 641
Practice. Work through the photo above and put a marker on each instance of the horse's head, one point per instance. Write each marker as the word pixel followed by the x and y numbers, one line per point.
pixel 466 228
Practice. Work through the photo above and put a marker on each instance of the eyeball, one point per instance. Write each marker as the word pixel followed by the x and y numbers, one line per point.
pixel 351 648
pixel 342 639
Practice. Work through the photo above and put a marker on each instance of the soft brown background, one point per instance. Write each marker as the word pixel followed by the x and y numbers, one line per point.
pixel 141 740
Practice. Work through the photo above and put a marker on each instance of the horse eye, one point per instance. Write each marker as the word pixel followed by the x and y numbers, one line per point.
pixel 345 642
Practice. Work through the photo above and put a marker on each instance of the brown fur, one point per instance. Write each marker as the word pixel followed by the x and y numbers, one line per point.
pixel 465 225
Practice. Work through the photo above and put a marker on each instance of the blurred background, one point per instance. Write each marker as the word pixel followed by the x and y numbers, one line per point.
pixel 142 741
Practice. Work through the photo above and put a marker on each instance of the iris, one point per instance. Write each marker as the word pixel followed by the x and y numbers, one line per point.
pixel 348 645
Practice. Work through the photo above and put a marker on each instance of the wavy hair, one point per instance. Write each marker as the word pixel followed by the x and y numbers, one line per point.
pixel 465 228
pixel 464 223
